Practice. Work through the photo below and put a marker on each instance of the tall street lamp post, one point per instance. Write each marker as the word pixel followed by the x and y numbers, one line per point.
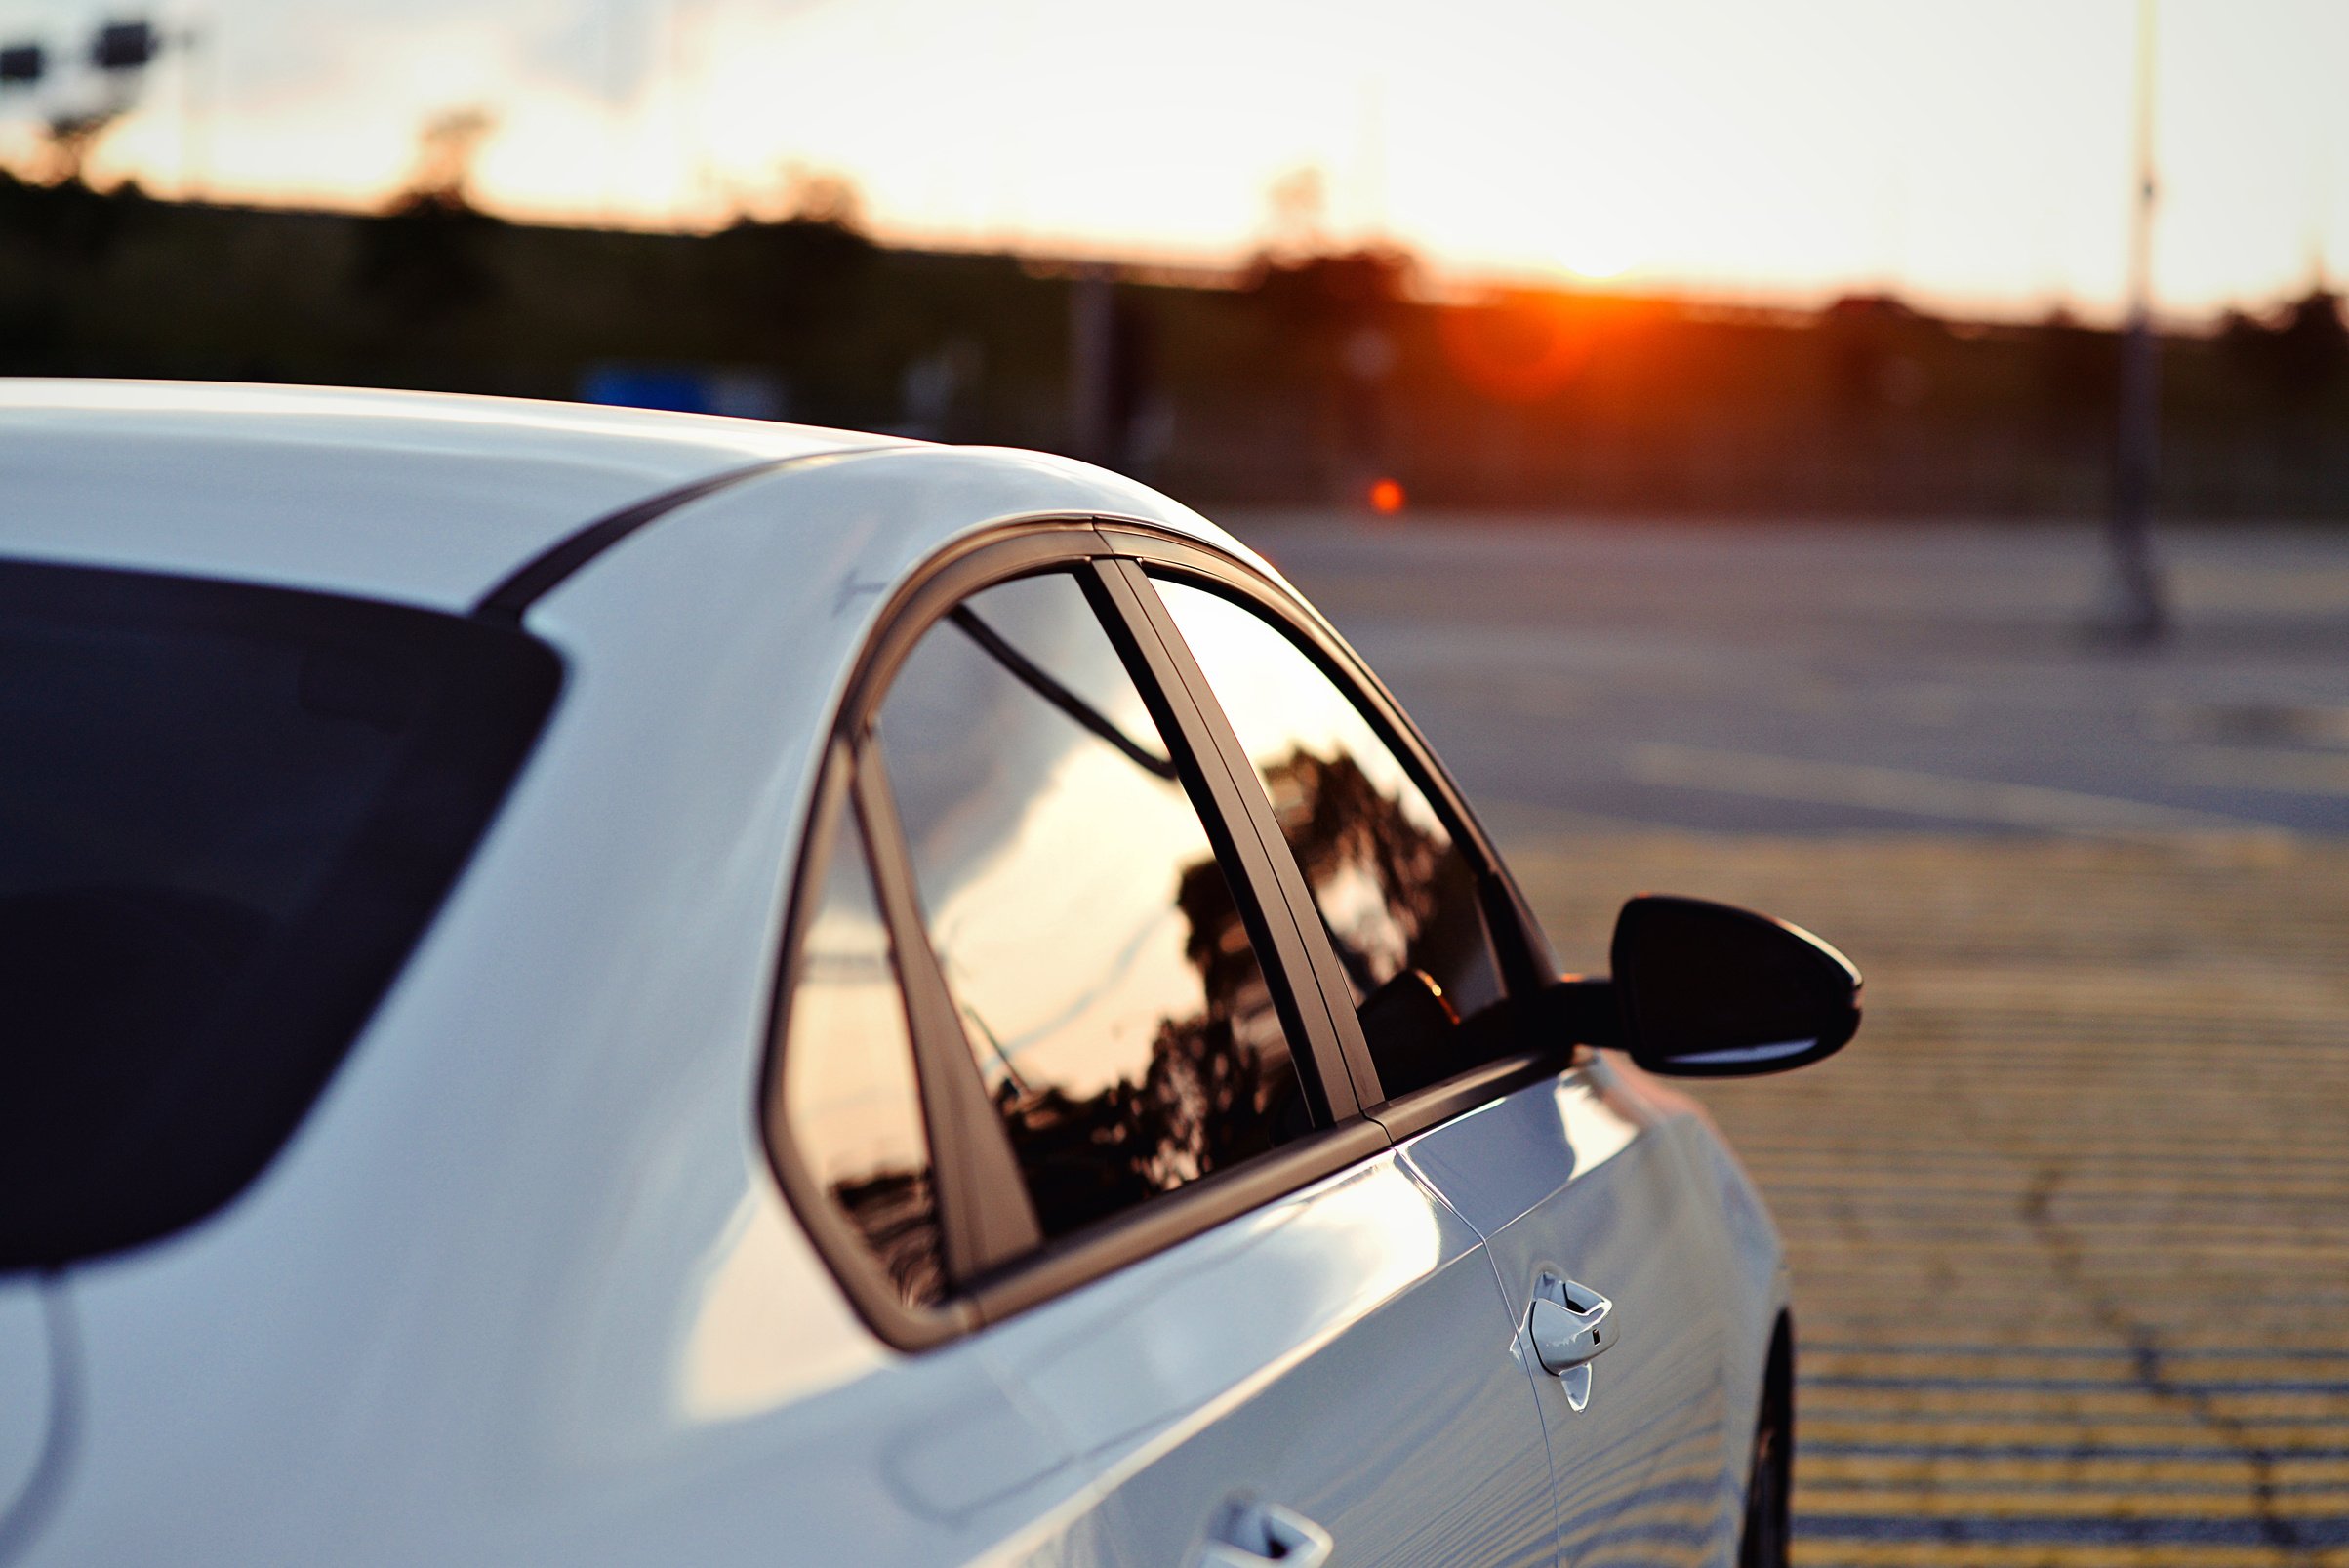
pixel 2133 609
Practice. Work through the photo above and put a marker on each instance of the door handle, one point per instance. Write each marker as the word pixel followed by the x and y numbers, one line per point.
pixel 1570 1326
pixel 1252 1534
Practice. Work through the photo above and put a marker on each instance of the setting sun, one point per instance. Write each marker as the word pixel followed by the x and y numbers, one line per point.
pixel 1597 255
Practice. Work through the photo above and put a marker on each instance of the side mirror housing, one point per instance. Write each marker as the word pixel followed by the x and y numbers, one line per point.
pixel 1706 990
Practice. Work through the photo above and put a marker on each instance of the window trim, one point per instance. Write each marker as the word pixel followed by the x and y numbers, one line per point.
pixel 1530 965
pixel 1325 1060
pixel 984 1213
pixel 1316 956
pixel 1011 1285
pixel 1521 951
pixel 1125 1239
pixel 861 1277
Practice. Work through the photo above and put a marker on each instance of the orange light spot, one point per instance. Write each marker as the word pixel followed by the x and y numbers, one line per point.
pixel 1385 497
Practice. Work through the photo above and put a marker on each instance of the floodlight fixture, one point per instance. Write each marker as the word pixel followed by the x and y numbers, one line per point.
pixel 126 46
pixel 22 65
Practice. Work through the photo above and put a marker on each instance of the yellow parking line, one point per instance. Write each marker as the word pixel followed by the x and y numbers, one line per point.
pixel 2184 1437
pixel 2069 1504
pixel 1819 1360
pixel 2046 1402
pixel 1819 1554
pixel 1957 1465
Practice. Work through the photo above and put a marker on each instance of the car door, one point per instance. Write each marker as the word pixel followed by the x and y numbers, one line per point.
pixel 1576 1184
pixel 1153 1210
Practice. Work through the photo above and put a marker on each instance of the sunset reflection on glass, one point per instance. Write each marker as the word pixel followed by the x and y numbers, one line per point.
pixel 1396 896
pixel 848 1084
pixel 1108 986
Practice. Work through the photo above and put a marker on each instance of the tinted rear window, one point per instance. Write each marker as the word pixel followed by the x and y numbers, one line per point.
pixel 226 813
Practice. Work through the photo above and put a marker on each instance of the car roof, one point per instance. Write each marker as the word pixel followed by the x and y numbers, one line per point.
pixel 419 497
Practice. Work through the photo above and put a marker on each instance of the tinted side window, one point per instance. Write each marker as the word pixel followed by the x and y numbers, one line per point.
pixel 1397 896
pixel 1121 1020
pixel 226 813
pixel 849 1093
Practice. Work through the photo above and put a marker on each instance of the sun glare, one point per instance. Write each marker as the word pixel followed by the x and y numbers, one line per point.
pixel 1597 256
pixel 1823 144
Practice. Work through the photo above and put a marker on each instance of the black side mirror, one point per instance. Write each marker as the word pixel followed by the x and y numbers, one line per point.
pixel 1704 991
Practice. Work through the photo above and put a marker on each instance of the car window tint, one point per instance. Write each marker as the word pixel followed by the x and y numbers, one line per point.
pixel 1121 1020
pixel 851 1101
pixel 1397 896
pixel 226 811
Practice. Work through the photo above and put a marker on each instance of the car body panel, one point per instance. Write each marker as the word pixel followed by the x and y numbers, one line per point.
pixel 536 1185
pixel 522 1286
pixel 1340 1353
pixel 1574 1179
pixel 426 501
pixel 31 1423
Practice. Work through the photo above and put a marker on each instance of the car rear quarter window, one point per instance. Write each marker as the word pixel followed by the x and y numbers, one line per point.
pixel 850 1098
pixel 226 813
pixel 1106 985
pixel 1398 898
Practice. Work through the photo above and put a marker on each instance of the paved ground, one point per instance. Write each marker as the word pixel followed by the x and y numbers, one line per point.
pixel 2070 1221
pixel 1741 678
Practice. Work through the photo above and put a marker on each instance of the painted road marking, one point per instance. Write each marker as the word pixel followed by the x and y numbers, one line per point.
pixel 2069 1223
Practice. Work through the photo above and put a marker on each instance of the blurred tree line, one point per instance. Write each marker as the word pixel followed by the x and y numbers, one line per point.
pixel 1298 380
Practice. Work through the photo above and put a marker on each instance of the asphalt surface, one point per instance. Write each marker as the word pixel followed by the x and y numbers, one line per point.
pixel 2069 1223
pixel 2069 1220
pixel 1742 678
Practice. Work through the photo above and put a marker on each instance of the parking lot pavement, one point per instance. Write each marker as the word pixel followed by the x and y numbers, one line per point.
pixel 2069 1220
pixel 1741 678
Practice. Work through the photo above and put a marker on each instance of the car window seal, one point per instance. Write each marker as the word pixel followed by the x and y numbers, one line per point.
pixel 1314 951
pixel 1175 1217
pixel 1408 1115
pixel 983 1200
pixel 1233 808
pixel 870 1289
pixel 1523 948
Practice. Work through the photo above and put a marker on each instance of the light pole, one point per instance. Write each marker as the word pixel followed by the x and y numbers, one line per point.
pixel 2133 608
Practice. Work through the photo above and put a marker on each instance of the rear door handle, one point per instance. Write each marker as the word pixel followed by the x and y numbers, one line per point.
pixel 1252 1534
pixel 1570 1326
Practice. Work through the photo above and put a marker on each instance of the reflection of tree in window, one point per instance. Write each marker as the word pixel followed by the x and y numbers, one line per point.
pixel 896 1213
pixel 1400 905
pixel 1399 899
pixel 1117 1014
pixel 1392 895
pixel 1218 1087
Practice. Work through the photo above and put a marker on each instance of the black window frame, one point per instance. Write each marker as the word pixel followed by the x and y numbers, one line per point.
pixel 1525 960
pixel 998 1263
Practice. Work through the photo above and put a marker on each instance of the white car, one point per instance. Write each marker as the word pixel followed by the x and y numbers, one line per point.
pixel 595 988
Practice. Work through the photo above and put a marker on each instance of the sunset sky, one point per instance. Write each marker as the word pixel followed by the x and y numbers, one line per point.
pixel 1974 156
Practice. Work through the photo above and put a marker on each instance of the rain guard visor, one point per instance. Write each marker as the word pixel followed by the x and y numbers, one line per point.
pixel 227 813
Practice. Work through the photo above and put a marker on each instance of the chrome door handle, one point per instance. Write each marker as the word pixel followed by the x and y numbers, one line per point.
pixel 1252 1534
pixel 1570 1326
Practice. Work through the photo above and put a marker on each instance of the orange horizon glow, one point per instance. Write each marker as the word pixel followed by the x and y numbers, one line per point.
pixel 1973 161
